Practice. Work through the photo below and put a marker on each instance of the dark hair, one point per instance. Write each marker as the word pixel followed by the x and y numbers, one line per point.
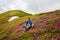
pixel 29 19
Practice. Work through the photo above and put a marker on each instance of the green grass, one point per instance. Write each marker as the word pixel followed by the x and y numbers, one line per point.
pixel 9 28
pixel 12 24
pixel 5 16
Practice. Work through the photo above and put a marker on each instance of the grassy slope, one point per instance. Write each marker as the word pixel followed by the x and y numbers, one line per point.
pixel 14 23
pixel 49 32
pixel 5 16
pixel 10 26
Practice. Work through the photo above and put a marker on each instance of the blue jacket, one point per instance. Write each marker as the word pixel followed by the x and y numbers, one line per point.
pixel 29 22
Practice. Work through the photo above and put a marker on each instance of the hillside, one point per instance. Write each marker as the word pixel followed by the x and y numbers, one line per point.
pixel 5 16
pixel 46 27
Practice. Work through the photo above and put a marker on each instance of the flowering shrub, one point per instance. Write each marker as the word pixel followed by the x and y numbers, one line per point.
pixel 57 38
pixel 44 29
pixel 57 24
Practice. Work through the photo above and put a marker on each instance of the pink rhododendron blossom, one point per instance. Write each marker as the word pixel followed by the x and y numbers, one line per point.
pixel 38 38
pixel 58 38
pixel 57 26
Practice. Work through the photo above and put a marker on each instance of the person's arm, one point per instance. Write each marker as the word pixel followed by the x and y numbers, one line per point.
pixel 32 25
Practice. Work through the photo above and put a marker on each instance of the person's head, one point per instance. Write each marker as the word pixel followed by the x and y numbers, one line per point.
pixel 29 19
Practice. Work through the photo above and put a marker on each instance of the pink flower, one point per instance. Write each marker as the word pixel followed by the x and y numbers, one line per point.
pixel 58 38
pixel 57 23
pixel 38 38
pixel 17 34
pixel 57 26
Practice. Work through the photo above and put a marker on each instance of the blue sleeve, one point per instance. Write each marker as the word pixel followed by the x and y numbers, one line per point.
pixel 26 22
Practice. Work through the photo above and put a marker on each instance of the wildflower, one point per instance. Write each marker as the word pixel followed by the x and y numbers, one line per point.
pixel 57 26
pixel 57 23
pixel 58 38
pixel 38 38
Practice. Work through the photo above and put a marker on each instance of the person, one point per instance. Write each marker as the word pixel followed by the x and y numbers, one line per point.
pixel 29 24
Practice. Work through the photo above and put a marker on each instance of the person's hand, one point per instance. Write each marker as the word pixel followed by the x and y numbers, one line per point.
pixel 32 25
